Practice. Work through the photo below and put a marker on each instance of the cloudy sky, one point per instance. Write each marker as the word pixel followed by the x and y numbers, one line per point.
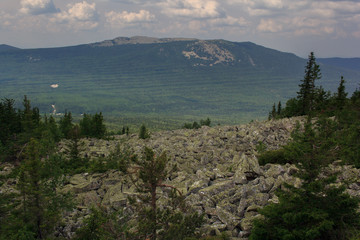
pixel 328 27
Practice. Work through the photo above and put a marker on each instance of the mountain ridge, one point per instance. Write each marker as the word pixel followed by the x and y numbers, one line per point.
pixel 137 40
pixel 174 79
pixel 5 47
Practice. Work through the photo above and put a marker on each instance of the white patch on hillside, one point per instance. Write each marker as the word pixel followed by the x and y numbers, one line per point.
pixel 54 109
pixel 208 51
pixel 252 61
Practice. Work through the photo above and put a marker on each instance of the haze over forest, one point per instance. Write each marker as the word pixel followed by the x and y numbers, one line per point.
pixel 169 80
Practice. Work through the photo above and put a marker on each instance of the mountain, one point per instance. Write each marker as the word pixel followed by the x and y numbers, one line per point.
pixel 346 63
pixel 163 82
pixel 4 47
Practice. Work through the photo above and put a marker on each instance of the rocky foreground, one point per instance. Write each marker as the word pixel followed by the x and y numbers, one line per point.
pixel 218 173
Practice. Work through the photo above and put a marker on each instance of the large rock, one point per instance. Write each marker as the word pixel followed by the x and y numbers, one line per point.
pixel 247 168
pixel 85 183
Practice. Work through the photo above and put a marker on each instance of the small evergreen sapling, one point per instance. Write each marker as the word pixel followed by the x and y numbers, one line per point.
pixel 144 133
pixel 172 220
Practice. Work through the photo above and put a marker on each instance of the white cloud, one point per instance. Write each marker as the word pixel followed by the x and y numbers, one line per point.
pixel 191 8
pixel 300 17
pixel 228 21
pixel 36 7
pixel 79 16
pixel 128 18
pixel 260 4
pixel 6 20
pixel 269 25
pixel 81 11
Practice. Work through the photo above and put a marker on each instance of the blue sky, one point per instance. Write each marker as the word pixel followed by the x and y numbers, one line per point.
pixel 327 27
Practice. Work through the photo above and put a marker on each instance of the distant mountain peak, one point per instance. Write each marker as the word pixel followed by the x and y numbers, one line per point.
pixel 137 40
pixel 4 47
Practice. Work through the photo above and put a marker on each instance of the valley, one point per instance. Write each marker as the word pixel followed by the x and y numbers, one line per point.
pixel 163 82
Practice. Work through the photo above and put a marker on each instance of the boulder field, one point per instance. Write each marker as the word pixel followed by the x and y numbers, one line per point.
pixel 217 172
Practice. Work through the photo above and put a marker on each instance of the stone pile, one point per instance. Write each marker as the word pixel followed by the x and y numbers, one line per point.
pixel 218 172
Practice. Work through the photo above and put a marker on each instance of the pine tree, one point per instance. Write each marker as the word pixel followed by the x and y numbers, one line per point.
pixel 173 220
pixel 102 225
pixel 205 122
pixel 54 129
pixel 37 209
pixel 143 133
pixel 85 125
pixel 278 113
pixel 318 209
pixel 306 94
pixel 65 124
pixel 75 162
pixel 10 121
pixel 272 114
pixel 98 125
pixel 341 95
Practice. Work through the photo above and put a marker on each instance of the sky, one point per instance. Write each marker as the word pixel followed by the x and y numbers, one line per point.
pixel 330 28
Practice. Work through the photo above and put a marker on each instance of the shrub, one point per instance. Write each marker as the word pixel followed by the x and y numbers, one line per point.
pixel 273 156
pixel 144 133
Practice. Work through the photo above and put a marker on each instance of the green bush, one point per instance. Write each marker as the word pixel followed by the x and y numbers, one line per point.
pixel 196 125
pixel 144 133
pixel 274 156
pixel 101 225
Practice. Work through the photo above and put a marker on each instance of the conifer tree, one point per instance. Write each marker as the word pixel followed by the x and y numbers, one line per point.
pixel 65 124
pixel 98 125
pixel 143 133
pixel 205 122
pixel 54 129
pixel 10 121
pixel 279 109
pixel 317 210
pixel 85 125
pixel 341 95
pixel 37 209
pixel 272 114
pixel 170 221
pixel 306 94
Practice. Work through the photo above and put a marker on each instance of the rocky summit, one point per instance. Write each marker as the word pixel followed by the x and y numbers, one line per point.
pixel 218 173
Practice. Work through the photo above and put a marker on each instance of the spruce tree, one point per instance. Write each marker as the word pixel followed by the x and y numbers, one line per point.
pixel 278 113
pixel 98 125
pixel 143 133
pixel 205 122
pixel 341 95
pixel 54 129
pixel 86 125
pixel 10 126
pixel 37 208
pixel 172 220
pixel 65 124
pixel 272 114
pixel 318 209
pixel 306 94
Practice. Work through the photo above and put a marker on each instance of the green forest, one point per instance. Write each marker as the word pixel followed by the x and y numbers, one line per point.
pixel 318 209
